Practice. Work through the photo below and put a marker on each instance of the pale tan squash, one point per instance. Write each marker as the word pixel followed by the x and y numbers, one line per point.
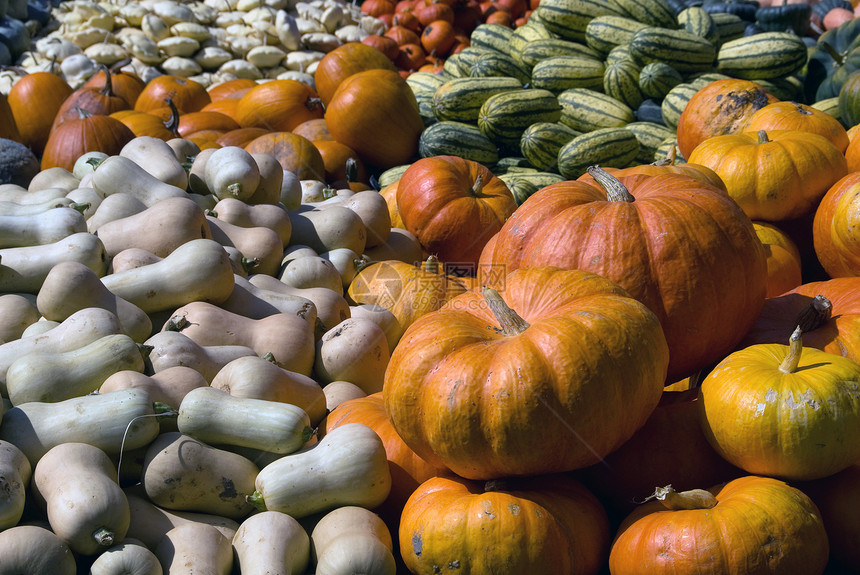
pixel 256 303
pixel 156 157
pixel 325 229
pixel 24 269
pixel 131 557
pixel 352 540
pixel 168 386
pixel 195 549
pixel 268 191
pixel 272 542
pixel 34 549
pixel 260 244
pixel 41 228
pixel 332 307
pixel 122 175
pixel 16 313
pixel 15 472
pixel 355 350
pixel 401 245
pixel 246 215
pixel 172 348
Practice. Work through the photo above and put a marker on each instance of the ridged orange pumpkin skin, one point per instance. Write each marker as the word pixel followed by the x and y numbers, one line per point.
pixel 343 62
pixel 73 138
pixel 759 526
pixel 294 153
pixel 836 228
pixel 549 525
pixel 797 116
pixel 784 265
pixel 375 113
pixel 489 403
pixel 35 100
pixel 682 247
pixel 187 95
pixel 453 206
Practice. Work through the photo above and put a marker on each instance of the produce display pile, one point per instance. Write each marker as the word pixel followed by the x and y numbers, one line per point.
pixel 502 287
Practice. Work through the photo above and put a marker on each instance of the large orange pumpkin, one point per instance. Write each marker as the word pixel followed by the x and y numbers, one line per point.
pixel 680 246
pixel 73 138
pixel 550 525
pixel 554 382
pixel 375 113
pixel 453 206
pixel 188 95
pixel 836 228
pixel 35 100
pixel 751 525
pixel 294 153
pixel 343 62
pixel 279 106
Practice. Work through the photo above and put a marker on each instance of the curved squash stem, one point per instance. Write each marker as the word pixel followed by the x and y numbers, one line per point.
pixel 795 348
pixel 172 123
pixel 615 190
pixel 478 185
pixel 510 322
pixel 669 160
pixel 107 90
pixel 675 501
pixel 762 137
pixel 816 314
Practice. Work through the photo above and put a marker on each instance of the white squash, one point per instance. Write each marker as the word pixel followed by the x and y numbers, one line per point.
pixel 130 557
pixel 41 228
pixel 232 172
pixel 34 549
pixel 172 348
pixel 15 471
pixel 353 540
pixel 272 542
pixel 355 350
pixel 195 549
pixel 24 269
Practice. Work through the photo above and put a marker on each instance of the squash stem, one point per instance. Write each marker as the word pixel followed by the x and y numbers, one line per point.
pixel 107 89
pixel 692 499
pixel 256 499
pixel 762 137
pixel 103 536
pixel 615 190
pixel 795 348
pixel 478 185
pixel 816 314
pixel 510 322
pixel 431 265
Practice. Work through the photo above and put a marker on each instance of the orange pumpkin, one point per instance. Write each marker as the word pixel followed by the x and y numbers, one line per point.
pixel 96 101
pixel 240 137
pixel 146 124
pixel 335 156
pixel 453 206
pixel 74 137
pixel 196 121
pixel 231 89
pixel 375 113
pixel 126 85
pixel 438 37
pixel 187 94
pixel 279 106
pixel 721 107
pixel 797 116
pixel 836 228
pixel 389 192
pixel 491 391
pixel 226 106
pixel 344 61
pixel 750 525
pixel 35 100
pixel 550 525
pixel 675 243
pixel 776 175
pixel 294 153
pixel 8 129
pixel 314 130
pixel 382 43
pixel 784 267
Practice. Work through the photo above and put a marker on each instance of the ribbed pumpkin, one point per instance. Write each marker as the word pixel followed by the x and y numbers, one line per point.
pixel 188 95
pixel 836 228
pixel 680 246
pixel 227 106
pixel 453 206
pixel 313 130
pixel 784 266
pixel 722 107
pixel 830 322
pixel 773 175
pixel 550 525
pixel 784 410
pixel 750 525
pixel 126 85
pixel 231 89
pixel 553 383
pixel 73 138
pixel 294 153
pixel 35 100
pixel 146 124
pixel 335 156
pixel 96 101
pixel 797 116
pixel 279 105
pixel 344 61
pixel 241 137
pixel 375 113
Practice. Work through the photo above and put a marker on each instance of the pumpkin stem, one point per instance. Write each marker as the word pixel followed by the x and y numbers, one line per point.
pixel 795 348
pixel 762 137
pixel 107 89
pixel 313 103
pixel 615 190
pixel 509 320
pixel 82 114
pixel 351 170
pixel 431 265
pixel 478 185
pixel 801 109
pixel 816 314
pixel 103 536
pixel 669 160
pixel 675 501
pixel 172 123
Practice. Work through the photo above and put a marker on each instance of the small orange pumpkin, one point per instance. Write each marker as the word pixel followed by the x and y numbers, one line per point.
pixel 279 105
pixel 35 100
pixel 88 133
pixel 187 94
pixel 835 228
pixel 797 116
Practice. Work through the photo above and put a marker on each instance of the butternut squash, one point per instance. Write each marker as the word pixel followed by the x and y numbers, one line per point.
pixel 197 173
pixel 16 313
pixel 158 229
pixel 86 200
pixel 52 377
pixel 114 207
pixel 41 228
pixel 13 208
pixel 272 542
pixel 268 191
pixel 355 350
pixel 347 467
pixel 185 150
pixel 156 157
pixel 71 286
pixel 24 269
pixel 99 420
pixel 372 208
pixel 172 348
pixel 326 229
pixel 332 307
pixel 34 549
pixel 346 262
pixel 198 270
pixel 53 178
pixel 256 303
pixel 337 392
pixel 86 507
pixel 257 378
pixel 353 540
pixel 312 272
pixel 131 557
pixel 167 387
pixel 195 549
pixel 217 418
pixel 260 244
pixel 401 245
pixel 15 471
pixel 382 317
pixel 291 191
pixel 183 473
pixel 245 215
pixel 118 174
pixel 131 258
pixel 231 172
pixel 287 337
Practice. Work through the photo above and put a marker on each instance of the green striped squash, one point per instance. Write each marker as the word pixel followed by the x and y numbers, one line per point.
pixel 606 32
pixel 457 139
pixel 621 81
pixel 504 117
pixel 538 50
pixel 762 56
pixel 668 147
pixel 569 18
pixel 650 12
pixel 460 99
pixel 528 32
pixel 391 175
pixel 493 37
pixel 829 105
pixel 469 55
pixel 675 101
pixel 424 86
pixel 702 80
pixel 682 50
pixel 560 73
pixel 513 164
pixel 729 26
pixel 606 147
pixel 524 184
pixel 619 53
pixel 497 64
pixel 587 110
pixel 541 142
pixel 650 136
pixel 657 78
pixel 696 20
pixel 453 67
